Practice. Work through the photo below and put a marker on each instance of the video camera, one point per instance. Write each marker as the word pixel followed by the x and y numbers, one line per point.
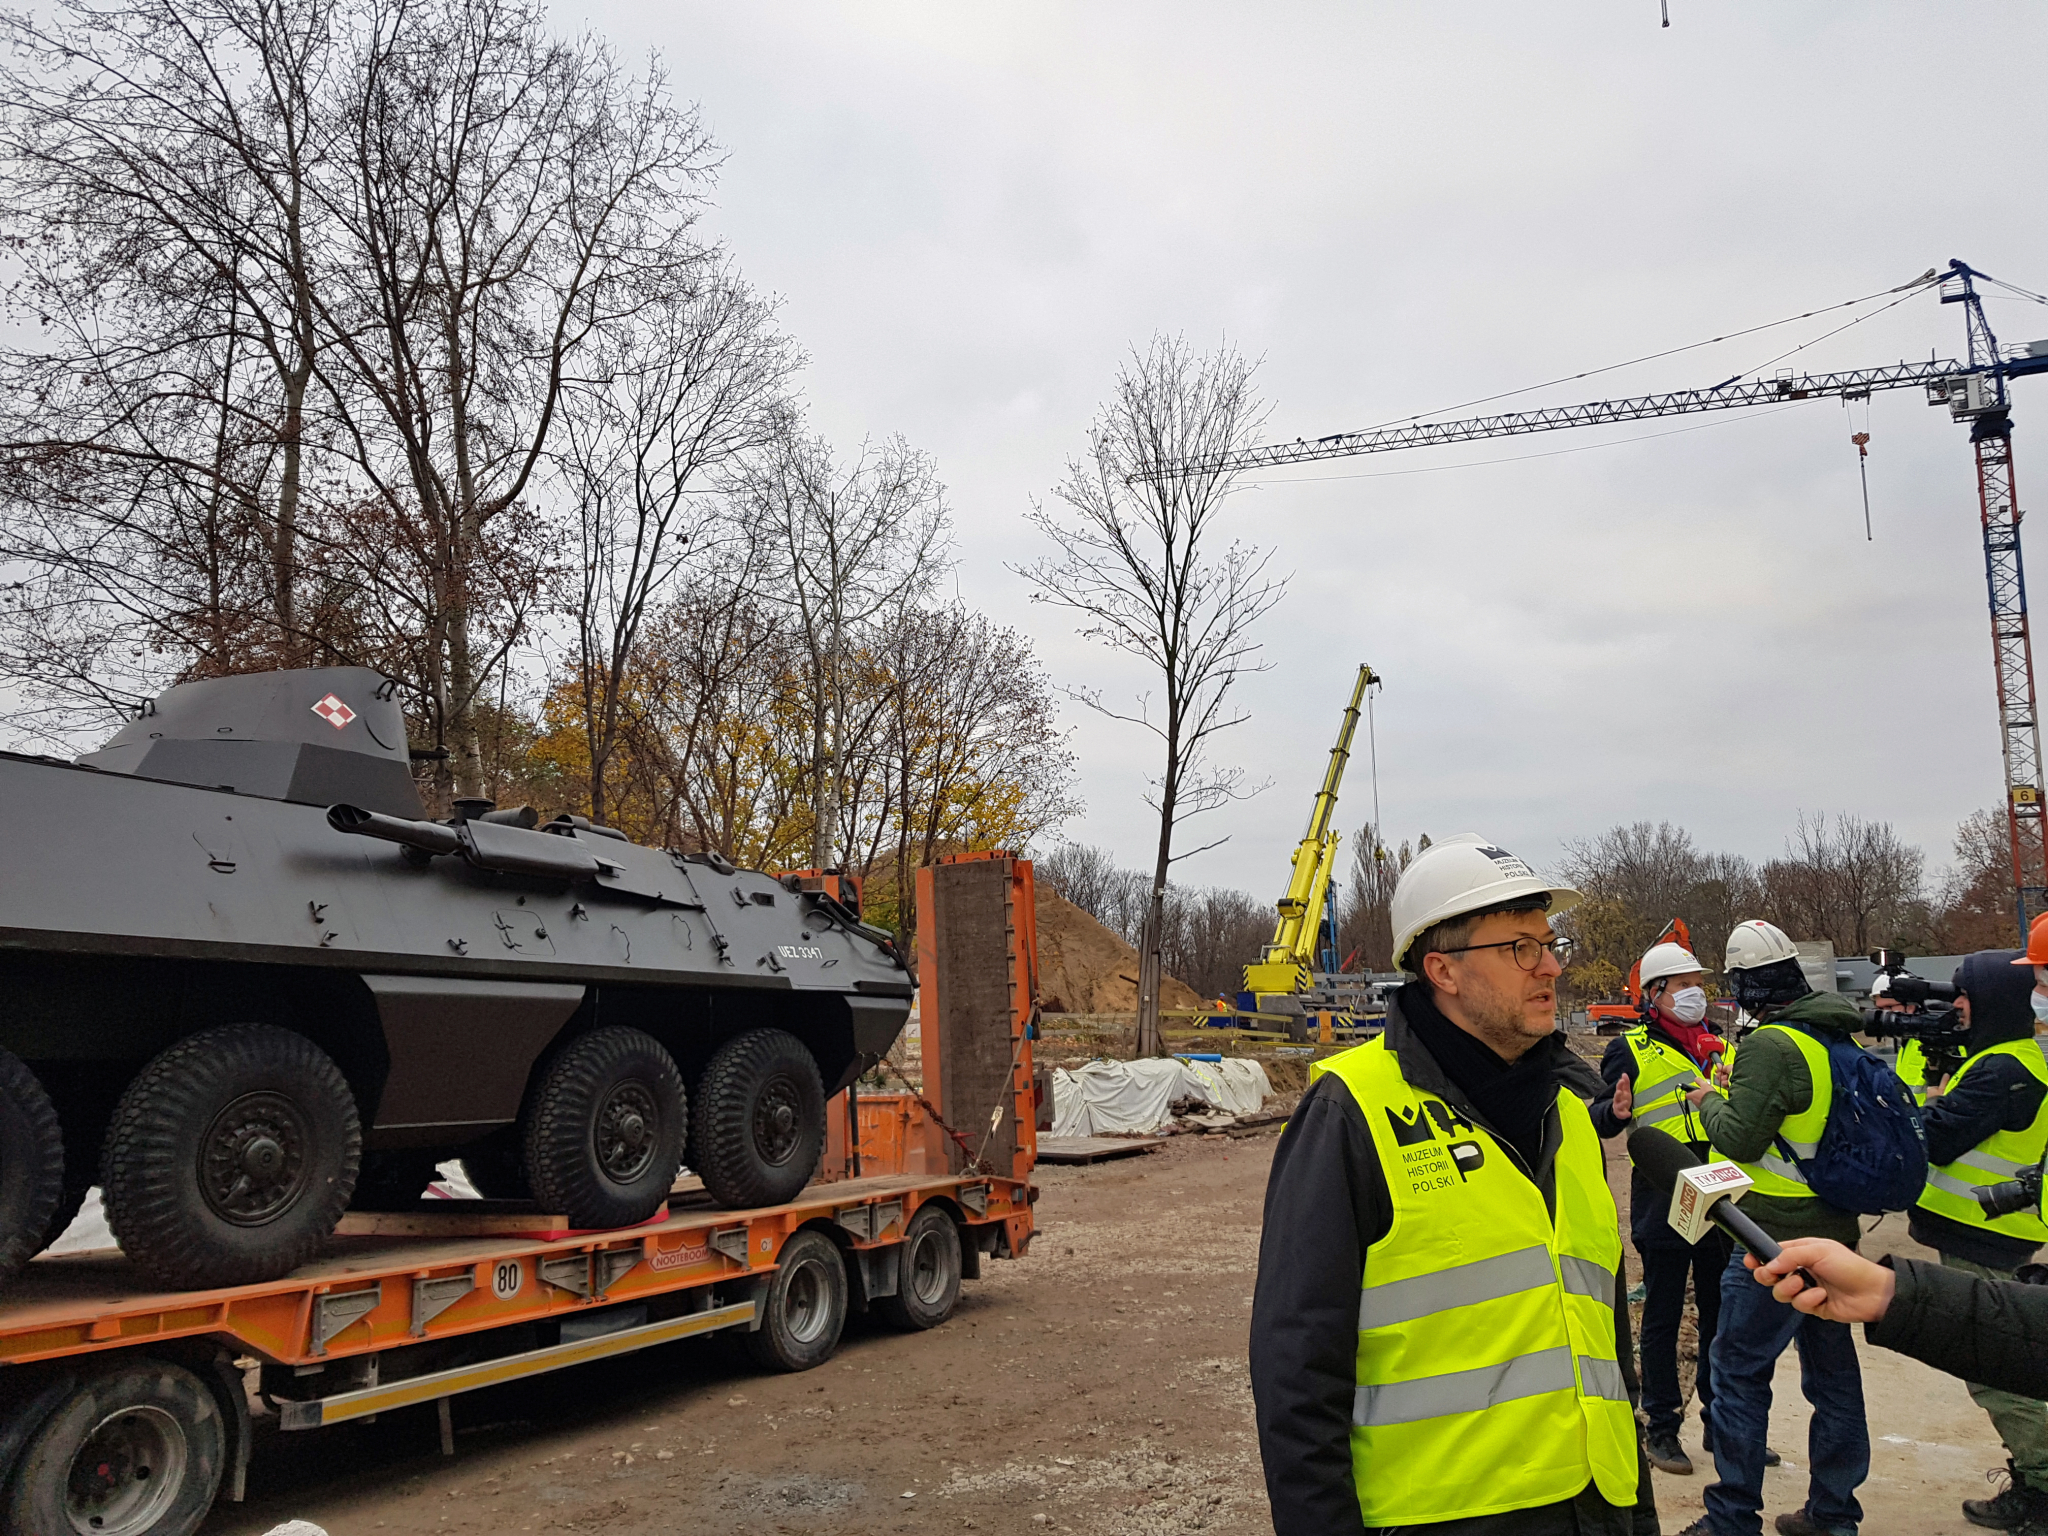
pixel 1909 1007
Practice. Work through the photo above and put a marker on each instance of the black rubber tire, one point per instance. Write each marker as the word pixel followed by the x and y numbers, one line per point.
pixel 140 1443
pixel 496 1168
pixel 196 1131
pixel 31 1165
pixel 605 1129
pixel 804 1311
pixel 743 1154
pixel 393 1180
pixel 927 1273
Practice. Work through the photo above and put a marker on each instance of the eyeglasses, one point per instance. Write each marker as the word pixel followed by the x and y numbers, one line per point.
pixel 1529 953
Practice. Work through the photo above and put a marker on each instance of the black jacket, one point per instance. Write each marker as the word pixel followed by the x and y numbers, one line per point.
pixel 1990 1331
pixel 1649 1225
pixel 1326 1203
pixel 1996 1094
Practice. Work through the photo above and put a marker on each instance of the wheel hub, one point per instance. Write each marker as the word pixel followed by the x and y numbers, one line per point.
pixel 127 1473
pixel 253 1159
pixel 777 1121
pixel 627 1129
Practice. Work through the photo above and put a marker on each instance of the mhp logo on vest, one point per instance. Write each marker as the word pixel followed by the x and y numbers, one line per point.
pixel 1428 1162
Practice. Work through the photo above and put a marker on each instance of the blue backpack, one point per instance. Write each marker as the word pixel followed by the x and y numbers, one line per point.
pixel 1873 1154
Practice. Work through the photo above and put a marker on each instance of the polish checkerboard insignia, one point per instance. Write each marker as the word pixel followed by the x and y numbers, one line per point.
pixel 334 712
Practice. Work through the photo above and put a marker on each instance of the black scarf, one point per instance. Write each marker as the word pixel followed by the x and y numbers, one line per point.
pixel 1513 1097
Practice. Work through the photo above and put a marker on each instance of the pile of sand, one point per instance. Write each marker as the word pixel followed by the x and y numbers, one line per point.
pixel 1084 968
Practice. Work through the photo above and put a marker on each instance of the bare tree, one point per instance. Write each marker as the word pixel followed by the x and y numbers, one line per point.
pixel 1367 924
pixel 1974 906
pixel 676 393
pixel 159 159
pixel 1850 881
pixel 970 744
pixel 1637 878
pixel 509 196
pixel 1144 564
pixel 1087 876
pixel 846 545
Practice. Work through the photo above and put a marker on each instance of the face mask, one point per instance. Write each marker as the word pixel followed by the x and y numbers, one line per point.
pixel 1689 1004
pixel 2040 1007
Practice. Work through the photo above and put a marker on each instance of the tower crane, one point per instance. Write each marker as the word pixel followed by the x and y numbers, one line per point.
pixel 1976 394
pixel 1286 967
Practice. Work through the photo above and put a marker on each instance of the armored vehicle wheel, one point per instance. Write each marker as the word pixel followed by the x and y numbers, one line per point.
pixel 604 1133
pixel 927 1273
pixel 760 1124
pixel 804 1310
pixel 135 1450
pixel 393 1180
pixel 31 1165
pixel 231 1157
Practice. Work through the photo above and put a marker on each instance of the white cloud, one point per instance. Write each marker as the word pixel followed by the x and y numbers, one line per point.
pixel 974 210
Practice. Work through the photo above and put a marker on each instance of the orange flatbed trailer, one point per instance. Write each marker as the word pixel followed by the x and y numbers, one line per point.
pixel 456 1295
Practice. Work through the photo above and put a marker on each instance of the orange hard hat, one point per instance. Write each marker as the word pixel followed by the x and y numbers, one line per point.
pixel 2037 943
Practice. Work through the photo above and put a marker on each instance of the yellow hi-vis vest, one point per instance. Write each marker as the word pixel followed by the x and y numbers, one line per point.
pixel 1663 1077
pixel 1912 1069
pixel 1776 1175
pixel 1996 1158
pixel 1486 1377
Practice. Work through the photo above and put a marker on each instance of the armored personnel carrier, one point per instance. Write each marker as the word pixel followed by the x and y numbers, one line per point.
pixel 244 982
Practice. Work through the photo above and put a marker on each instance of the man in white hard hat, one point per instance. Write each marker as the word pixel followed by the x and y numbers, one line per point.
pixel 1777 1101
pixel 1650 1069
pixel 1439 1334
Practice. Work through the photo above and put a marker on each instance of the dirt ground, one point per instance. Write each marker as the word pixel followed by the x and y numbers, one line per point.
pixel 1097 1386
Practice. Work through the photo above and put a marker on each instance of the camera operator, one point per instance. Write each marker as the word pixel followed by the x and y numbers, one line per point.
pixel 1990 1124
pixel 1993 1331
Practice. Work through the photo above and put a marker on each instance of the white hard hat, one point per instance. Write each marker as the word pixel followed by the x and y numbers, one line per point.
pixel 1463 874
pixel 1756 943
pixel 1667 960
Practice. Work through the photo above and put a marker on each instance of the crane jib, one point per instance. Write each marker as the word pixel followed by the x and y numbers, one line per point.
pixel 1680 402
pixel 1975 394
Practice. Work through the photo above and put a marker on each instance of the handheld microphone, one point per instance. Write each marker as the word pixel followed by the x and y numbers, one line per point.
pixel 1661 1158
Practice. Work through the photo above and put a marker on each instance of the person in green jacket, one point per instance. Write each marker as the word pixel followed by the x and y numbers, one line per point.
pixel 1768 1120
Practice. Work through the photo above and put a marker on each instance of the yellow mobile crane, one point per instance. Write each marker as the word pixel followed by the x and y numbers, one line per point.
pixel 1285 969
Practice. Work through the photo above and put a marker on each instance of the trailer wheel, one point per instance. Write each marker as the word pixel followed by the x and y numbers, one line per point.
pixel 804 1310
pixel 760 1124
pixel 31 1165
pixel 604 1137
pixel 231 1157
pixel 135 1450
pixel 927 1273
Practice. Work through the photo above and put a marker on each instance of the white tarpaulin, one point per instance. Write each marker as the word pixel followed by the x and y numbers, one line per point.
pixel 1107 1097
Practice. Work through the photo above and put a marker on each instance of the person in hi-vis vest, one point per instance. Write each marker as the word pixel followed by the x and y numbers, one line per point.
pixel 1990 1123
pixel 1440 1331
pixel 1771 1117
pixel 1650 1069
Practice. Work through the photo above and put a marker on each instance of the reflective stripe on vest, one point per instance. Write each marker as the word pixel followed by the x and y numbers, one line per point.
pixel 1952 1188
pixel 1663 1077
pixel 1486 1378
pixel 1773 1173
pixel 1911 1065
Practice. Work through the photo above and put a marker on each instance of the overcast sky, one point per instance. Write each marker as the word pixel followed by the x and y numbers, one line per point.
pixel 973 210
